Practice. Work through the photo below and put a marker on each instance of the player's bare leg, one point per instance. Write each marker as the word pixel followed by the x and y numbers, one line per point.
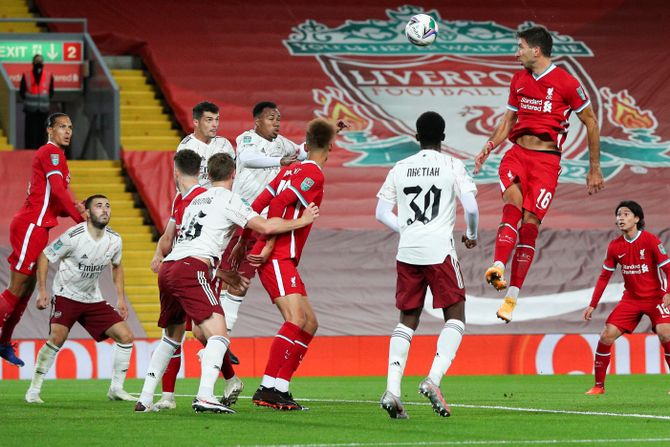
pixel 123 348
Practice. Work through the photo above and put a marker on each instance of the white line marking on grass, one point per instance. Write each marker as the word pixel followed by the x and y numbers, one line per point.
pixel 479 442
pixel 482 407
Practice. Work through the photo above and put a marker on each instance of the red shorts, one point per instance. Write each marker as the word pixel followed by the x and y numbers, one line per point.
pixel 247 270
pixel 96 318
pixel 445 281
pixel 27 241
pixel 536 171
pixel 187 288
pixel 628 313
pixel 280 277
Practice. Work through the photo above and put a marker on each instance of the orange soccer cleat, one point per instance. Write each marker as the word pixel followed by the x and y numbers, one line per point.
pixel 506 309
pixel 596 390
pixel 495 277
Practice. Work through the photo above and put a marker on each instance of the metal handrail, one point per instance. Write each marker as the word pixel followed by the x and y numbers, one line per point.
pixel 82 21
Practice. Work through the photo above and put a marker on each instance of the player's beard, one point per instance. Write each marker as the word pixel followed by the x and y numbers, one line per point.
pixel 98 224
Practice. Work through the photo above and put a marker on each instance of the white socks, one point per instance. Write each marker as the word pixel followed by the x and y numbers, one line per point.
pixel 231 305
pixel 120 365
pixel 512 292
pixel 398 350
pixel 447 345
pixel 210 365
pixel 268 382
pixel 45 360
pixel 159 361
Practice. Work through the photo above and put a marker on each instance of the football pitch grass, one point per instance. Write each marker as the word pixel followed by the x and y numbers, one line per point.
pixel 344 411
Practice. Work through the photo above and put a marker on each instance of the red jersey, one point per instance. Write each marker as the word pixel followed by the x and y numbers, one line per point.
pixel 293 189
pixel 543 103
pixel 641 260
pixel 46 200
pixel 179 204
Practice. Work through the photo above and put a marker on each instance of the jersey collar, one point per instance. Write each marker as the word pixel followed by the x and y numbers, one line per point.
pixel 639 232
pixel 313 163
pixel 183 196
pixel 549 69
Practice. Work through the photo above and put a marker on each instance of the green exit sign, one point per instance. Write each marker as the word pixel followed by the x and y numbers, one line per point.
pixel 51 51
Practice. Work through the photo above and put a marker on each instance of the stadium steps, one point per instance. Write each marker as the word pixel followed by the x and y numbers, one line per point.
pixel 4 142
pixel 144 124
pixel 16 9
pixel 106 177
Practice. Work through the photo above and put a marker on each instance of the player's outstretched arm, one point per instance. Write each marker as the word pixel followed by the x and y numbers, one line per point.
pixel 117 277
pixel 277 225
pixel 42 270
pixel 62 196
pixel 594 178
pixel 588 312
pixel 471 212
pixel 499 135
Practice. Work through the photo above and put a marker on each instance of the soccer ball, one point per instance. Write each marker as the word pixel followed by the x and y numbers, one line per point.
pixel 421 30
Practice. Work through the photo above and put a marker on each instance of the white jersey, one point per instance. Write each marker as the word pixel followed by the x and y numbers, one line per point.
pixel 250 182
pixel 208 224
pixel 218 144
pixel 424 186
pixel 82 261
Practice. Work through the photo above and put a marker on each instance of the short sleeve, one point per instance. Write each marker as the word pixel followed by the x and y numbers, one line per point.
pixel 307 185
pixel 575 96
pixel 611 259
pixel 239 211
pixel 59 248
pixel 660 254
pixel 388 190
pixel 513 99
pixel 116 258
pixel 464 183
pixel 52 163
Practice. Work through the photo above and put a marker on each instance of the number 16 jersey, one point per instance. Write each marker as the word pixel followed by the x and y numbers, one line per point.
pixel 424 186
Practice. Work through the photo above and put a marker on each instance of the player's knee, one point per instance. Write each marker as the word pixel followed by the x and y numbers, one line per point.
pixel 240 291
pixel 126 338
pixel 664 337
pixel 57 339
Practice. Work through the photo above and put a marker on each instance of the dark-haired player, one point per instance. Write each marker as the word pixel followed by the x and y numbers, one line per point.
pixel 641 256
pixel 288 194
pixel 424 187
pixel 84 252
pixel 204 141
pixel 542 96
pixel 48 198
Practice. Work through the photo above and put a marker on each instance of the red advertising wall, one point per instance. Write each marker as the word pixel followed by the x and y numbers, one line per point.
pixel 367 356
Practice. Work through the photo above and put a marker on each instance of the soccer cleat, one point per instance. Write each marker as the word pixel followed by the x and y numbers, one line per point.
pixel 506 309
pixel 233 358
pixel 495 277
pixel 596 390
pixel 393 406
pixel 264 397
pixel 434 394
pixel 7 352
pixel 212 405
pixel 234 387
pixel 287 402
pixel 120 394
pixel 33 397
pixel 166 403
pixel 141 408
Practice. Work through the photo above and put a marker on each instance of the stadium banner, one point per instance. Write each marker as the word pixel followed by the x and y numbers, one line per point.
pixel 367 356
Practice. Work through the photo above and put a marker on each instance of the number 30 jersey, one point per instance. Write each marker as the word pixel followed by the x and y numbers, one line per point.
pixel 425 186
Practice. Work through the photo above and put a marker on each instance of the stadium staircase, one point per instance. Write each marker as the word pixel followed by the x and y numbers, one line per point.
pixel 144 124
pixel 106 177
pixel 15 9
pixel 144 127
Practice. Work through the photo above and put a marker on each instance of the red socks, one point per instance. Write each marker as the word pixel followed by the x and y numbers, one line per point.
pixel 300 346
pixel 507 234
pixel 14 317
pixel 524 254
pixel 281 348
pixel 666 348
pixel 8 302
pixel 170 375
pixel 602 361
